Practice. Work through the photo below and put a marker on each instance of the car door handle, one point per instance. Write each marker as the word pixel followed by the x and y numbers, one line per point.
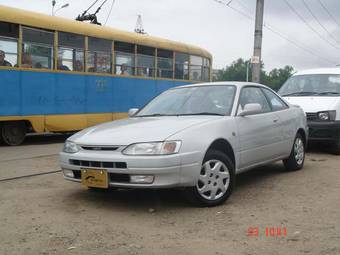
pixel 275 120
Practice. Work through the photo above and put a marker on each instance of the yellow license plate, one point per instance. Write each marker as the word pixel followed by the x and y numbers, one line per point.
pixel 94 178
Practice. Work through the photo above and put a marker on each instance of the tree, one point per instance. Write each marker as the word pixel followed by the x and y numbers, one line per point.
pixel 238 69
pixel 235 72
pixel 277 77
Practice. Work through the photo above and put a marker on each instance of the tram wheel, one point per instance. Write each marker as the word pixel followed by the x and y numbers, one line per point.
pixel 13 133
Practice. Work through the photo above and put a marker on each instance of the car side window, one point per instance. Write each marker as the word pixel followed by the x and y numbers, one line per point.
pixel 253 95
pixel 275 101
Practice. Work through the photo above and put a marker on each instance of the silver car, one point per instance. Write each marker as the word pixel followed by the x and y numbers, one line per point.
pixel 195 137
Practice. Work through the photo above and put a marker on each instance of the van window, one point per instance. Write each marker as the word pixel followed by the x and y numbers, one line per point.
pixel 312 84
pixel 37 48
pixel 9 34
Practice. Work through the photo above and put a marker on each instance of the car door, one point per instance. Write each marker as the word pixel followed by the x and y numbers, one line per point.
pixel 286 121
pixel 259 133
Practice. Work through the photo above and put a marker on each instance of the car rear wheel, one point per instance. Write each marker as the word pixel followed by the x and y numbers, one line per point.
pixel 215 182
pixel 13 133
pixel 296 159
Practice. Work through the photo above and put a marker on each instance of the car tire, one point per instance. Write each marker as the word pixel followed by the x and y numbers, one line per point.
pixel 216 181
pixel 296 159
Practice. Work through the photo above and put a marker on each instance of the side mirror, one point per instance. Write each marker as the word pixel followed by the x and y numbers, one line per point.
pixel 250 109
pixel 132 112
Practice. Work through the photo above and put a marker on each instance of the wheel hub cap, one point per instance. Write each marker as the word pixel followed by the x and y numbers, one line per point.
pixel 214 180
pixel 299 151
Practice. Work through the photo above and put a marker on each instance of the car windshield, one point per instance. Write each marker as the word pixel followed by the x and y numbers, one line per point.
pixel 199 100
pixel 312 85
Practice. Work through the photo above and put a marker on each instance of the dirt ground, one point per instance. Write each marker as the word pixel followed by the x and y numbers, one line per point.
pixel 48 215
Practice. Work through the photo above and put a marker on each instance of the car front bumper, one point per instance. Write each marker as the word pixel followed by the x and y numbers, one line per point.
pixel 324 131
pixel 178 170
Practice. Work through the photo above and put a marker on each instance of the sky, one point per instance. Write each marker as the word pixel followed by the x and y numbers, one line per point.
pixel 226 33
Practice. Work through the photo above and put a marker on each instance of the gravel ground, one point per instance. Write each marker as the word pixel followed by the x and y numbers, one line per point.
pixel 48 215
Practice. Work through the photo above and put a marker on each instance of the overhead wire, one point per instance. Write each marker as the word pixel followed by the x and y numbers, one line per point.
pixel 277 33
pixel 108 16
pixel 308 25
pixel 329 13
pixel 91 6
pixel 319 22
pixel 234 9
pixel 243 5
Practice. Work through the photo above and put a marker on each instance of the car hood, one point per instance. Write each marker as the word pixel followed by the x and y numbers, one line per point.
pixel 313 104
pixel 135 130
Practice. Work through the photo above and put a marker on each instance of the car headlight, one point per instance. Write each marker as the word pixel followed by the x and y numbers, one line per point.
pixel 327 115
pixel 70 147
pixel 155 148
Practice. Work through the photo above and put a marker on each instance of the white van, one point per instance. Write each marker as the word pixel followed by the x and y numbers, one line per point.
pixel 318 93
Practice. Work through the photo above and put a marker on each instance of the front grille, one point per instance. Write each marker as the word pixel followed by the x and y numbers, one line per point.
pixel 77 174
pixel 312 116
pixel 121 178
pixel 98 164
pixel 100 148
pixel 113 177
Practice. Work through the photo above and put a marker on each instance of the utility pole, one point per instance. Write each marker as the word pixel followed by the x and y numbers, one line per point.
pixel 256 59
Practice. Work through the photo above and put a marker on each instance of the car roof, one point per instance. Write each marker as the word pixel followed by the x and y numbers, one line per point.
pixel 333 70
pixel 239 84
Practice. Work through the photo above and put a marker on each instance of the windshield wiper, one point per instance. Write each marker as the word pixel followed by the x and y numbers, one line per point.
pixel 180 114
pixel 301 93
pixel 152 115
pixel 329 93
pixel 201 113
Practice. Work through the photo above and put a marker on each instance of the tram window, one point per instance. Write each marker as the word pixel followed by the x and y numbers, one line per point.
pixel 70 52
pixel 9 34
pixel 164 63
pixel 196 64
pixel 99 55
pixel 145 61
pixel 37 48
pixel 206 69
pixel 182 66
pixel 125 58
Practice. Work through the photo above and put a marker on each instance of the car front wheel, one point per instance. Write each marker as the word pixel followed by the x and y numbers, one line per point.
pixel 215 182
pixel 296 159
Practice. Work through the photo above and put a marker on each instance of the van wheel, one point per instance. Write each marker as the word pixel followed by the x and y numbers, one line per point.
pixel 296 159
pixel 13 133
pixel 215 182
